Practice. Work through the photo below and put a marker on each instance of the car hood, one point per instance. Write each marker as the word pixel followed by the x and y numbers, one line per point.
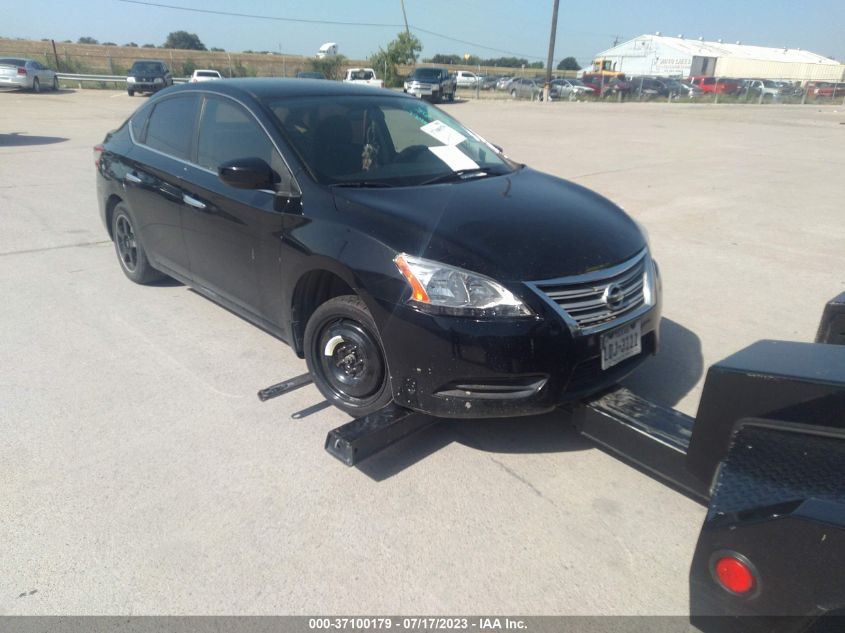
pixel 522 226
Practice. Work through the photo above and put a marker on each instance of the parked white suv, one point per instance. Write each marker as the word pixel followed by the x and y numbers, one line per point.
pixel 205 75
pixel 466 79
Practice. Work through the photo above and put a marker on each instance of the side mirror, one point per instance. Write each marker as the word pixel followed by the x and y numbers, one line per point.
pixel 246 173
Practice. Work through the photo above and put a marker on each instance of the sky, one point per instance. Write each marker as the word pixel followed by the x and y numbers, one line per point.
pixel 488 28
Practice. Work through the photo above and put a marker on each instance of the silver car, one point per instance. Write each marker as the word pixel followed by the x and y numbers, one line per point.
pixel 29 74
pixel 570 89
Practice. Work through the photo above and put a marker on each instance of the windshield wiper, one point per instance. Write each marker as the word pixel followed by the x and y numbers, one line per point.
pixel 453 176
pixel 363 184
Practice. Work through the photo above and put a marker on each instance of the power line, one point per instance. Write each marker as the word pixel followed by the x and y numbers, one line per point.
pixel 257 17
pixel 333 22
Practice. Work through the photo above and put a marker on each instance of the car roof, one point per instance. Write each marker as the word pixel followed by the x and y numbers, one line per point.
pixel 262 88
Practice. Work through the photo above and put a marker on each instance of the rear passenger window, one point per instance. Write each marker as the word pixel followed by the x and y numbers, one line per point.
pixel 138 123
pixel 171 126
pixel 228 132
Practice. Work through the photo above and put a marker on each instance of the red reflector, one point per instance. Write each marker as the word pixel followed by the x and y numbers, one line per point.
pixel 734 575
pixel 98 151
pixel 21 70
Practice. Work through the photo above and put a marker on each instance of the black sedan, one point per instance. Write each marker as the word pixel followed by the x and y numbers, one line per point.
pixel 400 253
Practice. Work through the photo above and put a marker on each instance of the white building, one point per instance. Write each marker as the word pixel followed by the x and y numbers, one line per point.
pixel 680 57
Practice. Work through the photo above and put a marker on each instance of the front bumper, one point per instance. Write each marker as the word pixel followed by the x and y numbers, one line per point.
pixel 466 368
pixel 145 86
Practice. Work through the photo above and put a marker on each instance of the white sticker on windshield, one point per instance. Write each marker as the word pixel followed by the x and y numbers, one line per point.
pixel 443 133
pixel 453 157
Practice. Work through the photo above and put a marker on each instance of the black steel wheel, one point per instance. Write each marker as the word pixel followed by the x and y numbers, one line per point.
pixel 345 357
pixel 130 253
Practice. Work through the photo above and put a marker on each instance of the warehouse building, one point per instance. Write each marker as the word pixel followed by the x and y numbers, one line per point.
pixel 680 57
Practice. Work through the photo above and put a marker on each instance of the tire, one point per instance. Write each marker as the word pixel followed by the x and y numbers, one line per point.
pixel 36 85
pixel 131 255
pixel 131 93
pixel 345 356
pixel 452 96
pixel 513 94
pixel 55 84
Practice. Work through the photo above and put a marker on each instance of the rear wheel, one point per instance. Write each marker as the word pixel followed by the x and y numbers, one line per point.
pixel 36 85
pixel 55 83
pixel 133 258
pixel 344 355
pixel 130 92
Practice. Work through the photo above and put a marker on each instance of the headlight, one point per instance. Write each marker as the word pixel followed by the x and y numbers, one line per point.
pixel 443 289
pixel 158 80
pixel 130 80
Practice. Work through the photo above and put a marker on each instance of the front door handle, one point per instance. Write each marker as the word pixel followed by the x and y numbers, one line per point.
pixel 132 178
pixel 192 202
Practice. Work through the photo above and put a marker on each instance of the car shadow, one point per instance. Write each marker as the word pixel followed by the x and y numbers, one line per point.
pixel 16 139
pixel 664 379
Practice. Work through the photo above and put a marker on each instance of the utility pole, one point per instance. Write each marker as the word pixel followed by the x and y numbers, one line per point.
pixel 405 17
pixel 550 59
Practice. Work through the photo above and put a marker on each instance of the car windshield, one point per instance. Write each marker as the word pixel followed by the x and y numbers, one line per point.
pixel 381 141
pixel 207 73
pixel 146 67
pixel 426 73
pixel 13 61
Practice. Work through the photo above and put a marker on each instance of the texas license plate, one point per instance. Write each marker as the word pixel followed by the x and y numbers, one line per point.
pixel 620 344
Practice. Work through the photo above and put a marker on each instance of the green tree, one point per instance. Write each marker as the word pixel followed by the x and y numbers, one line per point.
pixel 568 63
pixel 148 46
pixel 188 67
pixel 131 45
pixel 109 44
pixel 331 66
pixel 403 50
pixel 86 40
pixel 184 40
pixel 215 49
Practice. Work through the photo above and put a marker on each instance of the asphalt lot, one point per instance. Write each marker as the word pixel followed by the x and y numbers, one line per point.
pixel 141 475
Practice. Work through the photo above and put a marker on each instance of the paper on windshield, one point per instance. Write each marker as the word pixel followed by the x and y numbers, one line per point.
pixel 453 157
pixel 443 133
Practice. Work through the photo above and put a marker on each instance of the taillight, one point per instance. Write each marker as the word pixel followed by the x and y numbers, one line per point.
pixel 21 70
pixel 734 573
pixel 98 153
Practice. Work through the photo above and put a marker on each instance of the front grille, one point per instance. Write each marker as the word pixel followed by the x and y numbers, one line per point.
pixel 587 301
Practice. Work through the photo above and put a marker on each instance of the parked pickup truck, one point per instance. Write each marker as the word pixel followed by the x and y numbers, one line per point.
pixel 435 83
pixel 363 76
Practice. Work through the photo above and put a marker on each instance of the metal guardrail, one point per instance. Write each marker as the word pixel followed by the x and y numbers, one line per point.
pixel 107 78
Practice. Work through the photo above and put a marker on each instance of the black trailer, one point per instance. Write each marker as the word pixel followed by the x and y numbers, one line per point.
pixel 765 453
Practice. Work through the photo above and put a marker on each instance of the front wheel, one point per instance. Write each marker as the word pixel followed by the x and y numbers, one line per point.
pixel 344 354
pixel 36 85
pixel 513 94
pixel 131 93
pixel 55 83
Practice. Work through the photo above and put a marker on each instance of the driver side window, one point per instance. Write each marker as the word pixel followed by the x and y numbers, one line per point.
pixel 228 132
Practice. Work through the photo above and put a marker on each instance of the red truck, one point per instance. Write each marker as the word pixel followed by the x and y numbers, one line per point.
pixel 822 89
pixel 717 85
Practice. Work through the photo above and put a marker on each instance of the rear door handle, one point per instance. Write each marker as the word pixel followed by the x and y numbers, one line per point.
pixel 132 178
pixel 192 202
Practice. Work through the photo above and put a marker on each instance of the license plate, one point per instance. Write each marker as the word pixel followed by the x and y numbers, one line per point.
pixel 620 344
